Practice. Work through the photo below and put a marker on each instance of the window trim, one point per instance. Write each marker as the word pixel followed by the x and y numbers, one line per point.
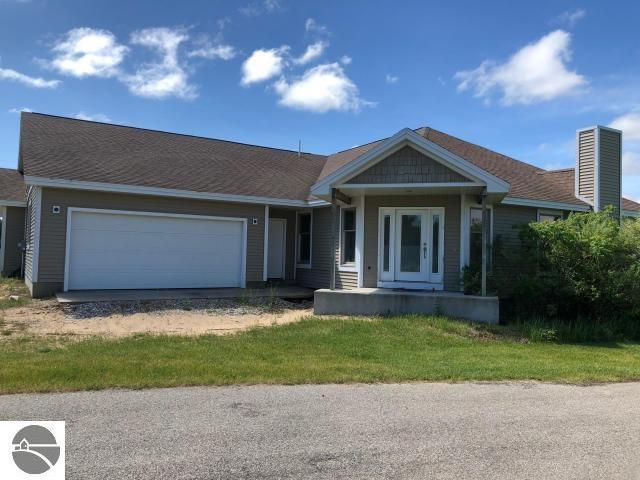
pixel 465 224
pixel 298 263
pixel 555 213
pixel 348 266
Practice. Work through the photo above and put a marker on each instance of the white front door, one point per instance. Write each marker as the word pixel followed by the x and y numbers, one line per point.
pixel 275 254
pixel 411 247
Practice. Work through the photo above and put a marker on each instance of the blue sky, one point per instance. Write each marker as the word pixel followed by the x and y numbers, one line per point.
pixel 517 79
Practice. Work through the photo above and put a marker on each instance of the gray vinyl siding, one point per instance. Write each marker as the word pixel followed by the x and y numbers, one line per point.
pixel 320 272
pixel 407 165
pixel 54 226
pixel 290 248
pixel 33 207
pixel 13 224
pixel 506 236
pixel 610 165
pixel 318 275
pixel 586 163
pixel 451 204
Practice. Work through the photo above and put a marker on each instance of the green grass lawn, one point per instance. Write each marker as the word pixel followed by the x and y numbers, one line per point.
pixel 311 351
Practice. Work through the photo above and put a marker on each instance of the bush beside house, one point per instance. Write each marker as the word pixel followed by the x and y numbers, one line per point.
pixel 581 275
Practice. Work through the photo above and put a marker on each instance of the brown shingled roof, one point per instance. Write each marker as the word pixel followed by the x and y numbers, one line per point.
pixel 630 205
pixel 70 149
pixel 12 186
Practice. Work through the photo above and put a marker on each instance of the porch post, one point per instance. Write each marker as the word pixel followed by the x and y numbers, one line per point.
pixel 334 227
pixel 484 242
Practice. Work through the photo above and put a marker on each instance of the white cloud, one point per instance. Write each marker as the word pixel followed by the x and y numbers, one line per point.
pixel 570 17
pixel 166 77
pixel 213 52
pixel 96 117
pixel 346 60
pixel 254 9
pixel 263 65
pixel 35 82
pixel 321 89
pixel 271 5
pixel 630 126
pixel 536 73
pixel 312 52
pixel 311 26
pixel 391 78
pixel 85 52
pixel 19 110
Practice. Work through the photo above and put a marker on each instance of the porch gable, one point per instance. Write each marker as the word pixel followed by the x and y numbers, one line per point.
pixel 408 165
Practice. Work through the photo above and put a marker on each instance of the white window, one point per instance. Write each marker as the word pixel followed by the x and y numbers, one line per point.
pixel 549 215
pixel 304 239
pixel 348 237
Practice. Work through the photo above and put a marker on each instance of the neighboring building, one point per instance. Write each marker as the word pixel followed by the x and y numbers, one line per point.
pixel 12 210
pixel 114 207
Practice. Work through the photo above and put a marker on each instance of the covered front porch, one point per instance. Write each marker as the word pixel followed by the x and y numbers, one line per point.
pixel 403 218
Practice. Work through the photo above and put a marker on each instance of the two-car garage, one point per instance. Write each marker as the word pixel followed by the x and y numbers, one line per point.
pixel 108 249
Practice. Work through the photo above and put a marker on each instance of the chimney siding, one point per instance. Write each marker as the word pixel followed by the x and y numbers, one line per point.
pixel 599 167
pixel 586 164
pixel 610 169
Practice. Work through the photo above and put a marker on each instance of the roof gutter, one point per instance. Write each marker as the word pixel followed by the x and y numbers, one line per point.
pixel 527 202
pixel 161 192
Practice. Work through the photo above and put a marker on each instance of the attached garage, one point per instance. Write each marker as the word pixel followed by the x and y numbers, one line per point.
pixel 110 249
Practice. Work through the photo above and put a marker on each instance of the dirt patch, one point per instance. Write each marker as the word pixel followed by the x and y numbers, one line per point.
pixel 183 317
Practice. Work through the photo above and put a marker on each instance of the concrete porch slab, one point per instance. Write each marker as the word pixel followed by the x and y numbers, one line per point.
pixel 381 301
pixel 90 296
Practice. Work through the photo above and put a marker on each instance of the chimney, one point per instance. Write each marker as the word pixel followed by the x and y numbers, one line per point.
pixel 599 167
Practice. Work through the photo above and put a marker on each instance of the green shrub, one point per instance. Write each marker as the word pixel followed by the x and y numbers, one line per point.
pixel 580 276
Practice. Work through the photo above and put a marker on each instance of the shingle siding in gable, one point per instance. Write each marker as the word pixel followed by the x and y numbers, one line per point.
pixel 407 165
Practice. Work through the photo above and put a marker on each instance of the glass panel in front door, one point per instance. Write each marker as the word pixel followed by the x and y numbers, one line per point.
pixel 411 243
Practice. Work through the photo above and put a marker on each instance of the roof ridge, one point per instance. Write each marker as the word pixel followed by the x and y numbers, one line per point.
pixel 484 148
pixel 372 141
pixel 555 170
pixel 171 133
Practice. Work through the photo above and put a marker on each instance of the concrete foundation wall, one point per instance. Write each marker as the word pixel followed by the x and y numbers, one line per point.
pixel 374 301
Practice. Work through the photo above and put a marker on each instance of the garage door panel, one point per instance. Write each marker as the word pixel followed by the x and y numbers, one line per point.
pixel 108 250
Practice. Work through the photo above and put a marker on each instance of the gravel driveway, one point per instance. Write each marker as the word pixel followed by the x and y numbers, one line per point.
pixel 436 431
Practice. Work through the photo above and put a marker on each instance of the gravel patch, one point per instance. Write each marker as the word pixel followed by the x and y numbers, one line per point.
pixel 232 307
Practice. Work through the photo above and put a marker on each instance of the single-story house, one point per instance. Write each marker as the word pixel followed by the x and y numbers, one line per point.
pixel 100 206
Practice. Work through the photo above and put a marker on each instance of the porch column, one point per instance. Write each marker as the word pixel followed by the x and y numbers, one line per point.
pixel 485 226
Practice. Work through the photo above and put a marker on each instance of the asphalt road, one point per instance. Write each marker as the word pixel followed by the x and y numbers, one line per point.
pixel 475 431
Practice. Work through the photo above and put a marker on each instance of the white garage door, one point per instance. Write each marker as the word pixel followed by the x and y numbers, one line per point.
pixel 116 250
